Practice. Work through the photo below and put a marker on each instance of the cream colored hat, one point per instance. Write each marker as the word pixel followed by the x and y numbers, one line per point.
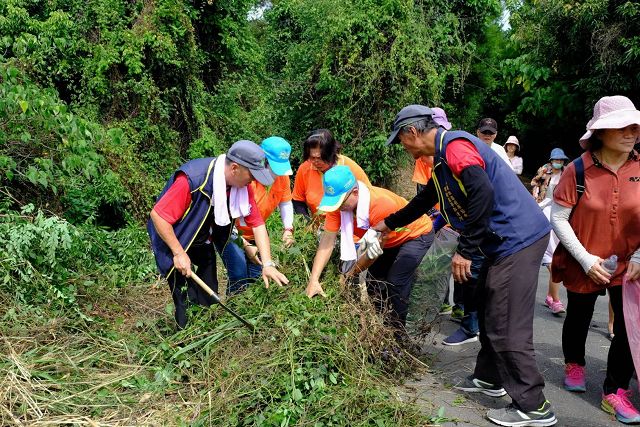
pixel 512 140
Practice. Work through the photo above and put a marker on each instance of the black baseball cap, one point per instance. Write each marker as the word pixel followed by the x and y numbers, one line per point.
pixel 488 124
pixel 250 155
pixel 409 114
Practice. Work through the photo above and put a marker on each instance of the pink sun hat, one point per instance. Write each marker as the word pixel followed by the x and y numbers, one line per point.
pixel 611 112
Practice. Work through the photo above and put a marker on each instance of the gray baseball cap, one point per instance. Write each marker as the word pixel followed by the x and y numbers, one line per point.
pixel 250 155
pixel 409 114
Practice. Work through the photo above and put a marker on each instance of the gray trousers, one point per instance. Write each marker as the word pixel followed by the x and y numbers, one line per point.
pixel 506 301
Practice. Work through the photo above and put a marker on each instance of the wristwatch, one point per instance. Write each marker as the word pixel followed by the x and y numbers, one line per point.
pixel 268 264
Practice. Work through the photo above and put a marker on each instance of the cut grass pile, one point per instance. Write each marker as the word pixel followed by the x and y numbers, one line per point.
pixel 320 362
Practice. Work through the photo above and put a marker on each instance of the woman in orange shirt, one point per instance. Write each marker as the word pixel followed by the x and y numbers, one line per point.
pixel 320 153
pixel 592 226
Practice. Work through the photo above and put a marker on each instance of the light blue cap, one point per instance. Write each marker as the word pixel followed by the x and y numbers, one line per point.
pixel 336 183
pixel 277 150
pixel 558 154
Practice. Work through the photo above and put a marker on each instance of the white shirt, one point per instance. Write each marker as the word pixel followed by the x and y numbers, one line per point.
pixel 555 179
pixel 499 149
pixel 516 163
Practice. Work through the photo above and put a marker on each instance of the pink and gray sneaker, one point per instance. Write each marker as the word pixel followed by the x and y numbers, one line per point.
pixel 574 378
pixel 556 306
pixel 618 404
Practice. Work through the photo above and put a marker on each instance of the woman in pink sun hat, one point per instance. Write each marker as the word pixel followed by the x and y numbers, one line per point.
pixel 593 225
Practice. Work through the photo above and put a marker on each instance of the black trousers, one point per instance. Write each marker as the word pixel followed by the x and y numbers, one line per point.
pixel 185 291
pixel 505 312
pixel 394 274
pixel 574 336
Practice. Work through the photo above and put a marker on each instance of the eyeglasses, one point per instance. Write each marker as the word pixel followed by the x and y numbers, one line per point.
pixel 487 132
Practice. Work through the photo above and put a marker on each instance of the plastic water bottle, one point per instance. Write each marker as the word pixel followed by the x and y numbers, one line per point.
pixel 610 264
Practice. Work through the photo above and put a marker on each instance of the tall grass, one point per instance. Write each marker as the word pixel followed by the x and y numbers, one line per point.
pixel 109 353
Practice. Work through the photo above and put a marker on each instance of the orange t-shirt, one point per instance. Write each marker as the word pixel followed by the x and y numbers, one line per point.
pixel 606 220
pixel 268 199
pixel 422 170
pixel 307 186
pixel 382 204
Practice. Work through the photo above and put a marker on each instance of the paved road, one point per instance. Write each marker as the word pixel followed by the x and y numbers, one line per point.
pixel 451 364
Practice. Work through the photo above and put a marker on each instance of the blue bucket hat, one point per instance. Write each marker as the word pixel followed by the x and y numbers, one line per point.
pixel 277 150
pixel 558 154
pixel 336 183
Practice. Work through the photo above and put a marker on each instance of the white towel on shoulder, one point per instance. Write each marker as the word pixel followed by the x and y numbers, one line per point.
pixel 239 205
pixel 347 246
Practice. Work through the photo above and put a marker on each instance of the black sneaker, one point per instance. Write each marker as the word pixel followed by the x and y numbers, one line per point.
pixel 474 385
pixel 512 416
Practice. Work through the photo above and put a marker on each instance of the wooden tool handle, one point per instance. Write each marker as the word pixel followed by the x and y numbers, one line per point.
pixel 204 286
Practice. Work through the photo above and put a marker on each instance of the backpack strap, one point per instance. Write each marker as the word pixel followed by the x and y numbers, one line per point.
pixel 579 165
pixel 580 188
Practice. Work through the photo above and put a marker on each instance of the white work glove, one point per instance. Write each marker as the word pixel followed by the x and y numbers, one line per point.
pixel 371 242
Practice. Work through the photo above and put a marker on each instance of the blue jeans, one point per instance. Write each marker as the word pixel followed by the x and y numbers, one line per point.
pixel 469 323
pixel 240 270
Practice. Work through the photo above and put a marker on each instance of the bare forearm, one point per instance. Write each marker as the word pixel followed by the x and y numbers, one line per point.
pixel 262 242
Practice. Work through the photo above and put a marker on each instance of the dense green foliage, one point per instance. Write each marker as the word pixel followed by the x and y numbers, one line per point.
pixel 348 66
pixel 134 66
pixel 100 100
pixel 87 340
pixel 53 158
pixel 565 55
pixel 48 263
pixel 182 79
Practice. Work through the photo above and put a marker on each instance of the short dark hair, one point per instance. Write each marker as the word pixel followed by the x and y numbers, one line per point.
pixel 594 143
pixel 324 140
pixel 422 125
